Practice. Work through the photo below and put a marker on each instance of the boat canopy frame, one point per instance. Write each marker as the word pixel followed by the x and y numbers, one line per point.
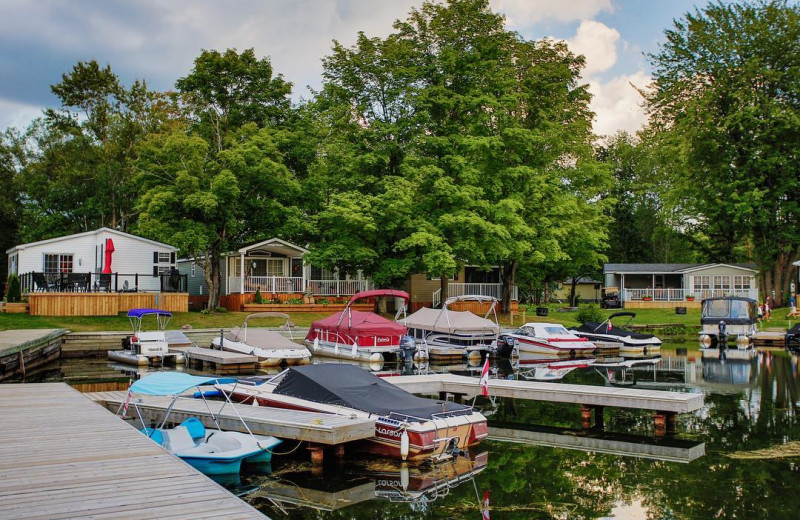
pixel 374 293
pixel 269 314
pixel 135 316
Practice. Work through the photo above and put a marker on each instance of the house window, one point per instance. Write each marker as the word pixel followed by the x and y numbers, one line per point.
pixel 722 283
pixel 297 267
pixel 164 269
pixel 265 267
pixel 322 273
pixel 702 283
pixel 453 278
pixel 194 267
pixel 163 258
pixel 56 263
pixel 742 283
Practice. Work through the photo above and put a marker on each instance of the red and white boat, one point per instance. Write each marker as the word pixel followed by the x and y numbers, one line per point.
pixel 361 335
pixel 544 338
pixel 407 427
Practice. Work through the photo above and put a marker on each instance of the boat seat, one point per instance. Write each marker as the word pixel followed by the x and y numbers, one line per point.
pixel 195 427
pixel 178 439
pixel 223 441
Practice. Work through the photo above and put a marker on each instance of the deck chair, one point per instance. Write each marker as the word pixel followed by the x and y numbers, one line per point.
pixel 41 283
pixel 104 282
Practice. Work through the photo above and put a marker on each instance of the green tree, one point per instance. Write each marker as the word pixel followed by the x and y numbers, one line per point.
pixel 725 105
pixel 12 160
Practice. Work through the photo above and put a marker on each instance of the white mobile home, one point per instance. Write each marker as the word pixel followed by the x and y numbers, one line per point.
pixel 77 263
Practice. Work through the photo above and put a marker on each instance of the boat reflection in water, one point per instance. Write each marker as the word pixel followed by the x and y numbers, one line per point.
pixel 363 481
pixel 539 367
pixel 729 366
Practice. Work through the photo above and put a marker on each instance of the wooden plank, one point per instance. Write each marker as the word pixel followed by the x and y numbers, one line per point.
pixel 96 466
pixel 675 402
pixel 221 357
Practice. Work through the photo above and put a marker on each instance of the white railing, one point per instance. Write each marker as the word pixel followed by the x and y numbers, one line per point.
pixel 338 287
pixel 482 289
pixel 678 295
pixel 273 284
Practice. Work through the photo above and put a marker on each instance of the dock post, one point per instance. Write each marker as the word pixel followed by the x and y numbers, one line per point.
pixel 599 422
pixel 443 396
pixel 317 455
pixel 664 423
pixel 586 417
pixel 338 451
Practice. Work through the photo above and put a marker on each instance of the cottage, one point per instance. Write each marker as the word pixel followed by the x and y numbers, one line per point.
pixel 665 284
pixel 103 260
pixel 426 291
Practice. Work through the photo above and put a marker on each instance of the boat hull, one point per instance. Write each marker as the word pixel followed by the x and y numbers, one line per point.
pixel 130 358
pixel 266 357
pixel 561 349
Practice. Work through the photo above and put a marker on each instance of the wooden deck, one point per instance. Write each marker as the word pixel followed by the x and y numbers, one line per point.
pixel 770 339
pixel 596 396
pixel 220 361
pixel 22 350
pixel 64 457
pixel 318 428
pixel 102 303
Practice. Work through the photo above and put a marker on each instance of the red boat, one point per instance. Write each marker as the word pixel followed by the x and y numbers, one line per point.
pixel 407 427
pixel 361 335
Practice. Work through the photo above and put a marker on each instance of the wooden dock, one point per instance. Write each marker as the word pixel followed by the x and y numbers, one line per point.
pixel 770 339
pixel 64 457
pixel 22 350
pixel 220 362
pixel 313 427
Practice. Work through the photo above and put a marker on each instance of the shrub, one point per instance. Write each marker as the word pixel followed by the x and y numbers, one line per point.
pixel 323 301
pixel 294 301
pixel 14 293
pixel 220 309
pixel 258 297
pixel 590 313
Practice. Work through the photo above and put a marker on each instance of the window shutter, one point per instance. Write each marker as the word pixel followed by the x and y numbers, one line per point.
pixel 172 257
pixel 155 271
pixel 155 257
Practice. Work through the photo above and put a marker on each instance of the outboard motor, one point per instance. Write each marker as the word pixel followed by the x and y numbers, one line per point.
pixel 407 348
pixel 722 336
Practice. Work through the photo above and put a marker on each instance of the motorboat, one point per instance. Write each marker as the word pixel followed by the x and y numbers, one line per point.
pixel 628 341
pixel 728 319
pixel 270 347
pixel 793 339
pixel 446 333
pixel 362 335
pixel 544 338
pixel 211 451
pixel 147 347
pixel 407 427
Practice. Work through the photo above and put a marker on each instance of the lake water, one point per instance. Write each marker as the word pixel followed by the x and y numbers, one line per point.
pixel 726 461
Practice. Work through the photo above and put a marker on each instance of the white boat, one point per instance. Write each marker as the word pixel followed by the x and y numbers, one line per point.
pixel 544 338
pixel 147 347
pixel 629 342
pixel 446 333
pixel 538 367
pixel 270 347
pixel 214 452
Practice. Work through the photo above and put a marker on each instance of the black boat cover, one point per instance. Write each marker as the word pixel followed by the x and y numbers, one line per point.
pixel 602 328
pixel 354 387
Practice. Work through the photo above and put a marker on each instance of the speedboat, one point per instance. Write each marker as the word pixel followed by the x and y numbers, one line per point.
pixel 146 347
pixel 629 341
pixel 211 451
pixel 728 318
pixel 361 335
pixel 270 347
pixel 544 338
pixel 407 427
pixel 446 333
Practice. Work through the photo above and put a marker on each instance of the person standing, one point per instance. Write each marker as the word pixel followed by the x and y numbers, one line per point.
pixel 792 307
pixel 767 306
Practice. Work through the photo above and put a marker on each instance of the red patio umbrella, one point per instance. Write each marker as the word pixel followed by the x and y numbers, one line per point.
pixel 109 251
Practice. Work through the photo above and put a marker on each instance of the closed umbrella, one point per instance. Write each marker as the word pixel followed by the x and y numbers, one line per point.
pixel 109 251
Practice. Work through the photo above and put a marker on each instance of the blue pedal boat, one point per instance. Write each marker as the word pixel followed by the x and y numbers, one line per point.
pixel 211 451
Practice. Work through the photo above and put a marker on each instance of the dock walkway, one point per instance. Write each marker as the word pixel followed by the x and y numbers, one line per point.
pixel 22 350
pixel 313 427
pixel 62 456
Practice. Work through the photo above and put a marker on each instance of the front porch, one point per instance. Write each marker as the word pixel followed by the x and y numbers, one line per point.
pixel 494 290
pixel 682 295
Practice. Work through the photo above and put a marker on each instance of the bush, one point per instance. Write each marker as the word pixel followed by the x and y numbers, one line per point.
pixel 590 313
pixel 323 301
pixel 294 301
pixel 258 297
pixel 220 309
pixel 14 293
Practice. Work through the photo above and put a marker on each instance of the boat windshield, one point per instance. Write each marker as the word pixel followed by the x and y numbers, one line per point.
pixel 733 309
pixel 556 330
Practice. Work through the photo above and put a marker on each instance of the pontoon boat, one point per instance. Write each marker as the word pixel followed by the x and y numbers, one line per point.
pixel 271 348
pixel 146 347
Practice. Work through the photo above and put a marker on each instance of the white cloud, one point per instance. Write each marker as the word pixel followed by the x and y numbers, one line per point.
pixel 598 43
pixel 17 115
pixel 617 103
pixel 524 13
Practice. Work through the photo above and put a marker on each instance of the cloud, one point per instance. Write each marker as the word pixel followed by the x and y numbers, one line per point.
pixel 617 104
pixel 524 13
pixel 598 43
pixel 18 115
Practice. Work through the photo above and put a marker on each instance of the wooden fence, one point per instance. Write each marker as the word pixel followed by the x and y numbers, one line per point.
pixel 103 304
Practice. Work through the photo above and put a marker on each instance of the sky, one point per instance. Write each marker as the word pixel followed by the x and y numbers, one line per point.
pixel 158 40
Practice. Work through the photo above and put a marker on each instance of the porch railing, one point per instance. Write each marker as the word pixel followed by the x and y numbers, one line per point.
pixel 102 282
pixel 482 289
pixel 678 295
pixel 289 284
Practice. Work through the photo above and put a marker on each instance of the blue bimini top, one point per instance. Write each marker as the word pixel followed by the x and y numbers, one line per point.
pixel 173 383
pixel 138 313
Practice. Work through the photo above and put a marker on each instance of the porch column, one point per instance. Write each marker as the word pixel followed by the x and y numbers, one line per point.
pixel 241 273
pixel 654 286
pixel 302 276
pixel 623 295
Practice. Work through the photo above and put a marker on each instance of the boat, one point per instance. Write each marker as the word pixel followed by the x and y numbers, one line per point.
pixel 211 451
pixel 726 319
pixel 544 338
pixel 627 341
pixel 147 347
pixel 361 335
pixel 407 427
pixel 270 347
pixel 446 333
pixel 792 340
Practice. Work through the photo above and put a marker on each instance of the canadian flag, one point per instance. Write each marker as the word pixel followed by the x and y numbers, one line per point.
pixel 126 403
pixel 485 378
pixel 485 510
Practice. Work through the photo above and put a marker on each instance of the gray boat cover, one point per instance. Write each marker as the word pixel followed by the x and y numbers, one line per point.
pixel 353 387
pixel 451 322
pixel 262 338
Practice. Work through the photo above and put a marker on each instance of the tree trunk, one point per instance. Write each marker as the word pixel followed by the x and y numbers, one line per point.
pixel 443 283
pixel 572 291
pixel 508 275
